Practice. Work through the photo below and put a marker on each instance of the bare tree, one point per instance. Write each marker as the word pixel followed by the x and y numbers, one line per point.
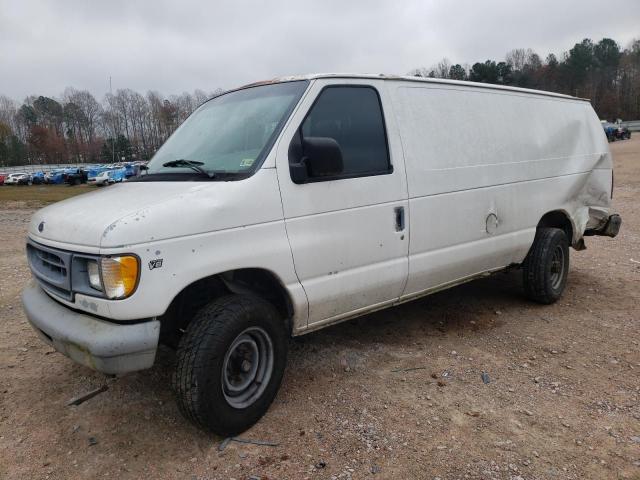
pixel 8 110
pixel 200 97
pixel 443 68
pixel 517 58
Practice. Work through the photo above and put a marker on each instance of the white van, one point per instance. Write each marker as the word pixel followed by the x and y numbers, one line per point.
pixel 289 205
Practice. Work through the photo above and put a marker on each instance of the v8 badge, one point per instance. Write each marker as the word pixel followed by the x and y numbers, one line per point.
pixel 157 263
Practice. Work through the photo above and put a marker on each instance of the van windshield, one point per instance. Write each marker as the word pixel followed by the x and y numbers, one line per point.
pixel 228 135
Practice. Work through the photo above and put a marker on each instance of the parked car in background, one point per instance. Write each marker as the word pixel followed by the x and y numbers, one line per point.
pixel 54 177
pixel 37 178
pixel 609 130
pixel 75 176
pixel 131 170
pixel 621 132
pixel 118 174
pixel 2 177
pixel 99 179
pixel 615 130
pixel 93 171
pixel 107 177
pixel 18 178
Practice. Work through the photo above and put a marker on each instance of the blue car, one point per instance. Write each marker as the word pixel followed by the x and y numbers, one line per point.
pixel 37 178
pixel 54 177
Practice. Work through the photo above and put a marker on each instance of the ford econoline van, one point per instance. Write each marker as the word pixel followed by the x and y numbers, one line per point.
pixel 286 206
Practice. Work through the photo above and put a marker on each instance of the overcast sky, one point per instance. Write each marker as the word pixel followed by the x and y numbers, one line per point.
pixel 180 45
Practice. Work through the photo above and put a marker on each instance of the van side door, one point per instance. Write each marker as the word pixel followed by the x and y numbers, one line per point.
pixel 348 231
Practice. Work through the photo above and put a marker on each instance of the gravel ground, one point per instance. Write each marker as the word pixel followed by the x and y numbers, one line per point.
pixel 396 394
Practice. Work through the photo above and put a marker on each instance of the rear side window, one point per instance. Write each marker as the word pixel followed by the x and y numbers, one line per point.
pixel 352 116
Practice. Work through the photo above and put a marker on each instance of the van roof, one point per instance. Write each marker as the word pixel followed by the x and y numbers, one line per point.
pixel 382 76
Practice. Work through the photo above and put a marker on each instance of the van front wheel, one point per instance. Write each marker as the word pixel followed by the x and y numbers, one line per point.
pixel 546 267
pixel 230 363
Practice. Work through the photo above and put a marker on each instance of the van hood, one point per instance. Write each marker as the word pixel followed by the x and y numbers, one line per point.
pixel 140 212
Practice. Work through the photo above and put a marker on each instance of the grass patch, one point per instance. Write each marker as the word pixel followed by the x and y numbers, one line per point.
pixel 21 196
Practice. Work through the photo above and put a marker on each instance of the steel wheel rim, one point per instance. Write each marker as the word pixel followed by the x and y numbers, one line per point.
pixel 247 367
pixel 557 267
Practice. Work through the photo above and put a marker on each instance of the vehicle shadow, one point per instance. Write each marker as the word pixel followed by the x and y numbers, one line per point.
pixel 474 308
pixel 456 311
pixel 447 312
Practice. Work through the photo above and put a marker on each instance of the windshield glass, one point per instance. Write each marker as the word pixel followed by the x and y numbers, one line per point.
pixel 228 134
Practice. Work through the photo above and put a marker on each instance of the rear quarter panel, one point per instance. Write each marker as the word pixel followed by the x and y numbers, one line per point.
pixel 474 152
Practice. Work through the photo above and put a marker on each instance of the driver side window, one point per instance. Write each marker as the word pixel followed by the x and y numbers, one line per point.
pixel 352 116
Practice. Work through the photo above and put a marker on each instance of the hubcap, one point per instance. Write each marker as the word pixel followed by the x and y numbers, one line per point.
pixel 557 267
pixel 247 367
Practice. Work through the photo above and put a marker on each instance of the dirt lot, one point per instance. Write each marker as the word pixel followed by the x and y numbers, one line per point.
pixel 562 402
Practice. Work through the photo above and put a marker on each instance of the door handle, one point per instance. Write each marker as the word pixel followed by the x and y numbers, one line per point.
pixel 399 212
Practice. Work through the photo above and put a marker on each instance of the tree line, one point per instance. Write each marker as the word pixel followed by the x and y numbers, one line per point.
pixel 78 128
pixel 603 72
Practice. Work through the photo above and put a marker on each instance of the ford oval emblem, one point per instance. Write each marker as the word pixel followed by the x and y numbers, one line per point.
pixel 41 227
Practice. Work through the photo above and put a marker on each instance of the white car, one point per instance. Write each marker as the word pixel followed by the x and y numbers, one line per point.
pixel 101 179
pixel 283 207
pixel 18 178
pixel 48 176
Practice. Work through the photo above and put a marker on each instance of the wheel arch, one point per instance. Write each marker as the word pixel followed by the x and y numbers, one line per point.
pixel 562 220
pixel 256 281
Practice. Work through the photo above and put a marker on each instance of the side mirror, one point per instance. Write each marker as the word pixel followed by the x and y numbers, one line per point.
pixel 321 157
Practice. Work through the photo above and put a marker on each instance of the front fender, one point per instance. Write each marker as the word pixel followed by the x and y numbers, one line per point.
pixel 185 260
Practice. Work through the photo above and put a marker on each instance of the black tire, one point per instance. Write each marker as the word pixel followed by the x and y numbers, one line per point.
pixel 206 356
pixel 546 266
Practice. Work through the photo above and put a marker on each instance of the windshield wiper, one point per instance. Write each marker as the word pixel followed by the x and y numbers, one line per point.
pixel 193 165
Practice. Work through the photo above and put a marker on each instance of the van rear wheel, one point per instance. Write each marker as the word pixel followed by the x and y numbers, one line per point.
pixel 230 363
pixel 546 266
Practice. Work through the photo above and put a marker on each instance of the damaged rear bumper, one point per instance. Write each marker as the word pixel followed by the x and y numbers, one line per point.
pixel 610 228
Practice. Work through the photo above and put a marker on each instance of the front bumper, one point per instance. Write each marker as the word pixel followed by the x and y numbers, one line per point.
pixel 104 346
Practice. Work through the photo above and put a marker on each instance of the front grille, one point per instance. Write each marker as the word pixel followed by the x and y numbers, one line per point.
pixel 52 268
pixel 52 262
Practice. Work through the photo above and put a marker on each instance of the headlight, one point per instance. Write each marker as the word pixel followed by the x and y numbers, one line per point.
pixel 119 275
pixel 94 274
